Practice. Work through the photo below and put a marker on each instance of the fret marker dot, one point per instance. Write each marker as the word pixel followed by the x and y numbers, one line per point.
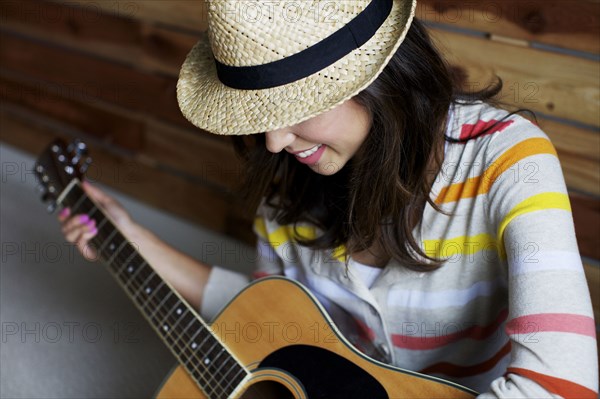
pixel 178 311
pixel 148 290
pixel 166 327
pixel 130 269
pixel 206 361
pixel 111 246
pixel 194 345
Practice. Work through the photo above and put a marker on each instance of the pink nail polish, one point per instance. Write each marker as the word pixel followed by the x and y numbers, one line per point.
pixel 64 212
pixel 84 218
pixel 91 223
pixel 94 230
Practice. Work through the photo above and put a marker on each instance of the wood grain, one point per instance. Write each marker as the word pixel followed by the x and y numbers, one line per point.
pixel 570 24
pixel 556 84
pixel 283 303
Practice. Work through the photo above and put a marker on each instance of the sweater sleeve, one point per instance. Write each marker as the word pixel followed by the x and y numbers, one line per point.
pixel 224 284
pixel 550 323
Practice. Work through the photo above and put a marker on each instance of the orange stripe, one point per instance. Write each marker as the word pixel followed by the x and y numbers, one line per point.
pixel 566 389
pixel 454 370
pixel 481 184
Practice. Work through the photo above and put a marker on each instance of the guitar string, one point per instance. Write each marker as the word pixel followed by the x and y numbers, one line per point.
pixel 191 355
pixel 160 318
pixel 133 286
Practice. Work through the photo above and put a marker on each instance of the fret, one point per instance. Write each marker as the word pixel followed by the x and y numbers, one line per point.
pixel 132 277
pixel 237 378
pixel 116 252
pixel 92 211
pixel 122 258
pixel 107 239
pixel 188 325
pixel 139 290
pixel 234 380
pixel 126 266
pixel 154 291
pixel 72 197
pixel 100 225
pixel 169 305
pixel 87 205
pixel 74 208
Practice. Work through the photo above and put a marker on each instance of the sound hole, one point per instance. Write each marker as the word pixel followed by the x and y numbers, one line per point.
pixel 267 390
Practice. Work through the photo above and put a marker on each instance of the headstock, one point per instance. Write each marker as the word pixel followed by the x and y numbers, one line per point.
pixel 57 166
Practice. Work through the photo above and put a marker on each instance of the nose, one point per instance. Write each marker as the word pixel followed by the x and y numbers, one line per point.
pixel 277 140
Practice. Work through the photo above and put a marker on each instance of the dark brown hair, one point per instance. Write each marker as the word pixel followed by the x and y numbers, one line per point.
pixel 380 191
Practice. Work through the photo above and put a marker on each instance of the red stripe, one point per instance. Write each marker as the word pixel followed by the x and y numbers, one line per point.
pixel 453 370
pixel 552 322
pixel 565 388
pixel 363 330
pixel 476 332
pixel 469 130
pixel 260 274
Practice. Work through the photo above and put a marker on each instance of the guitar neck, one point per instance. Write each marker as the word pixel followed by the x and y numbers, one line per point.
pixel 188 337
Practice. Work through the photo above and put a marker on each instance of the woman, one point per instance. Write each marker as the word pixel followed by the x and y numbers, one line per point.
pixel 433 226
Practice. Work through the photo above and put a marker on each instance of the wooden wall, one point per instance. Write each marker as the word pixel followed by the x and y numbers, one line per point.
pixel 106 71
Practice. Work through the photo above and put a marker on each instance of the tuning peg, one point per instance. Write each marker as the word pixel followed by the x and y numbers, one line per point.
pixel 81 146
pixel 51 207
pixel 86 164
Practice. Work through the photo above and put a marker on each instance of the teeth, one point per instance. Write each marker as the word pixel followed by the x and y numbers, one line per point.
pixel 308 153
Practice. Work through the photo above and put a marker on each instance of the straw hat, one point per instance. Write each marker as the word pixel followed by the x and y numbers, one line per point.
pixel 272 64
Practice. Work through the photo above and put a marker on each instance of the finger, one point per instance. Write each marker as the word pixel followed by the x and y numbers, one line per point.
pixel 95 192
pixel 83 244
pixel 64 214
pixel 78 225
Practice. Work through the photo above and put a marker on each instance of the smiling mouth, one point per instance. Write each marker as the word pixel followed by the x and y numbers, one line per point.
pixel 309 152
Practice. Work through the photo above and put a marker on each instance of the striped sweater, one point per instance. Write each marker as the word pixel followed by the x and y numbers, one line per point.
pixel 508 314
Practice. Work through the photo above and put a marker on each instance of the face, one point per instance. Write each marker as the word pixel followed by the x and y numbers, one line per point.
pixel 326 142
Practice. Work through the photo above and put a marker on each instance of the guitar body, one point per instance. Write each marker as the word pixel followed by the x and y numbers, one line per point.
pixel 279 332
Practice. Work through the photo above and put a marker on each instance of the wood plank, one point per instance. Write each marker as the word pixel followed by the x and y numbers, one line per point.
pixel 586 216
pixel 128 41
pixel 573 24
pixel 100 79
pixel 578 152
pixel 592 275
pixel 184 14
pixel 203 157
pixel 157 188
pixel 79 111
pixel 563 23
pixel 556 84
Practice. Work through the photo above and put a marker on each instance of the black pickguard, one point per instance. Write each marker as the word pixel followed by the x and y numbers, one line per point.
pixel 325 374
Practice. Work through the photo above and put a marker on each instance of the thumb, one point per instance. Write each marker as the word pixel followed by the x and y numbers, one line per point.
pixel 94 192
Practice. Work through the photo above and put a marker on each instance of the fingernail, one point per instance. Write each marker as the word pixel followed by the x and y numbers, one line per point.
pixel 84 218
pixel 94 230
pixel 91 223
pixel 64 212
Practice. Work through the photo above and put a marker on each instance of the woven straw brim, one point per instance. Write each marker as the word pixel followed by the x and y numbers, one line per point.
pixel 210 105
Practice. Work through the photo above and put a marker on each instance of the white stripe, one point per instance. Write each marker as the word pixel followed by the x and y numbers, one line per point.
pixel 441 299
pixel 532 261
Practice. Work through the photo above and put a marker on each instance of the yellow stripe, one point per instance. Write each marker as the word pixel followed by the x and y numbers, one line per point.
pixel 286 234
pixel 534 203
pixel 481 184
pixel 260 227
pixel 460 245
pixel 340 253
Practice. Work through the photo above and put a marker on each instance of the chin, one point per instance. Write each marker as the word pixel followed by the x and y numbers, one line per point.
pixel 327 168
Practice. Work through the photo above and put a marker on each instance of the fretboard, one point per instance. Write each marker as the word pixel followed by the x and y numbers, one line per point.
pixel 188 337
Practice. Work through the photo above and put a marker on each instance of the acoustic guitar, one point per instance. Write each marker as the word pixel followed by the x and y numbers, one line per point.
pixel 274 340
